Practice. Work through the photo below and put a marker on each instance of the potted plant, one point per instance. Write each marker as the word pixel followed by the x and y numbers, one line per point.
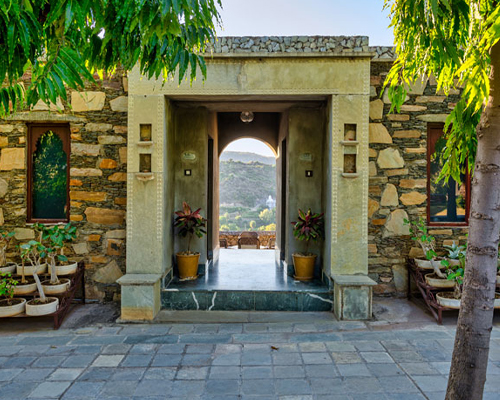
pixel 9 306
pixel 34 252
pixel 455 258
pixel 309 226
pixel 56 237
pixel 420 234
pixel 38 265
pixel 456 276
pixel 189 223
pixel 5 238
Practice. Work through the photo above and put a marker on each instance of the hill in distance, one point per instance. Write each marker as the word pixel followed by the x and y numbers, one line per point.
pixel 245 157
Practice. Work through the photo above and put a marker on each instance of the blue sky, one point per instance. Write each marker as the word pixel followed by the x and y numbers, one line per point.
pixel 307 17
pixel 303 17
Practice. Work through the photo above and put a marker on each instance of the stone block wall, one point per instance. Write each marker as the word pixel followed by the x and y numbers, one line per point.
pixel 98 122
pixel 398 178
pixel 232 238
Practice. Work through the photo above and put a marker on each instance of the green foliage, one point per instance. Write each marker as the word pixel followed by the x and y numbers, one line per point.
pixel 309 226
pixel 50 177
pixel 450 40
pixel 7 284
pixel 268 216
pixel 57 236
pixel 190 223
pixel 420 234
pixel 64 42
pixel 253 225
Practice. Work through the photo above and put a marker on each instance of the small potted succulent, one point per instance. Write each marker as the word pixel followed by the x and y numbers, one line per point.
pixel 5 238
pixel 456 276
pixel 308 227
pixel 35 252
pixel 189 224
pixel 9 306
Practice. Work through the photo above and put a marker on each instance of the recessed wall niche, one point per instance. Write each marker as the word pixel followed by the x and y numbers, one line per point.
pixel 145 132
pixel 350 132
pixel 350 163
pixel 144 163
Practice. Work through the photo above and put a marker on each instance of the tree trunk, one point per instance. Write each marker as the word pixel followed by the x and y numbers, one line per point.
pixel 470 355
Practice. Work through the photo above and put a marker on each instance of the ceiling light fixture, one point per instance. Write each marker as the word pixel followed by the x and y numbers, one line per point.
pixel 246 117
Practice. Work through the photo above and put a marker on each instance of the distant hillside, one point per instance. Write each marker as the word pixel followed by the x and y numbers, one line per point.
pixel 246 157
pixel 246 184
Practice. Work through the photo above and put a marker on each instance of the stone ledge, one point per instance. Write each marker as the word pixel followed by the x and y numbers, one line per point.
pixel 139 279
pixel 353 280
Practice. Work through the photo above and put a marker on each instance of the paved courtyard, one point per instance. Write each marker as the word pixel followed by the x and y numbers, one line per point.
pixel 297 357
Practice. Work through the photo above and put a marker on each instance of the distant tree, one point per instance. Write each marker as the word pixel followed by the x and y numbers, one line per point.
pixel 457 41
pixel 224 228
pixel 253 225
pixel 62 43
pixel 268 216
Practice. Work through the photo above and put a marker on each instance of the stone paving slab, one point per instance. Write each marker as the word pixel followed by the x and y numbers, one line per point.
pixel 284 360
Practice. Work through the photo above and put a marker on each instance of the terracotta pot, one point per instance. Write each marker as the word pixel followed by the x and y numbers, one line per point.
pixel 304 266
pixel 9 311
pixel 188 265
pixel 69 269
pixel 435 281
pixel 42 308
pixel 9 268
pixel 445 301
pixel 56 289
pixel 28 269
pixel 24 288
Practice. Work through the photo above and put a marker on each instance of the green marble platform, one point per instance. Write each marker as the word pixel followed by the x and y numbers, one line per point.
pixel 247 280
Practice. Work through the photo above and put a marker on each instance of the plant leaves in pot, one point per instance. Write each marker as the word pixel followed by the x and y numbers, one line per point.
pixel 5 238
pixel 189 224
pixel 308 227
pixel 9 306
pixel 34 252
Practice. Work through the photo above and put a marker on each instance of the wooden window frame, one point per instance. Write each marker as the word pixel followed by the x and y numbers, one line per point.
pixel 36 130
pixel 440 126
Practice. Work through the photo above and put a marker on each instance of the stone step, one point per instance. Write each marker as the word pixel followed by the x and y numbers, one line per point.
pixel 317 299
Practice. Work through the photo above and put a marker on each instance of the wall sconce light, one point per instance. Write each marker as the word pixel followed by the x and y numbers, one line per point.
pixel 246 117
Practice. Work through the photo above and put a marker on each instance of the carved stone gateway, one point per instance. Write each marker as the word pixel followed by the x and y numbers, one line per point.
pixel 183 117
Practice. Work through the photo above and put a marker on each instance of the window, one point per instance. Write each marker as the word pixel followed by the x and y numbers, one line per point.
pixel 48 173
pixel 447 203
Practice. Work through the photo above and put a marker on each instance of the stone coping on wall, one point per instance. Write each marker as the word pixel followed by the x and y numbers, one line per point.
pixel 351 45
pixel 308 45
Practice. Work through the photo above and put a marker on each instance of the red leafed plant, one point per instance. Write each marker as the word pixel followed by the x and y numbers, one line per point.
pixel 308 227
pixel 190 223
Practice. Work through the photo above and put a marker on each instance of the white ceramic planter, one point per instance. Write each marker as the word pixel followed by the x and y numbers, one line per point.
pixel 69 269
pixel 454 263
pixel 11 311
pixel 439 282
pixel 21 289
pixel 56 289
pixel 496 303
pixel 42 308
pixel 447 302
pixel 28 269
pixel 426 264
pixel 9 268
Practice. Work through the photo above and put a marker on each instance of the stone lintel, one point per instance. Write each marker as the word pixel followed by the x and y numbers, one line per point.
pixel 346 53
pixel 139 279
pixel 353 280
pixel 44 116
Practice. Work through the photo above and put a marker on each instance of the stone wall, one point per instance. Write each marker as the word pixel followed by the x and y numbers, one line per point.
pixel 98 124
pixel 291 44
pixel 232 238
pixel 398 172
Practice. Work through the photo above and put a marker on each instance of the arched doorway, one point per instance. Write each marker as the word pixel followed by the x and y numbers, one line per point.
pixel 247 215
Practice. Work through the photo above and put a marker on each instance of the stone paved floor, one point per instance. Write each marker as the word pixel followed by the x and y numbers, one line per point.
pixel 317 358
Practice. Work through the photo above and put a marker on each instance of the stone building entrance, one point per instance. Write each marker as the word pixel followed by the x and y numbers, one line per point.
pixel 319 107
